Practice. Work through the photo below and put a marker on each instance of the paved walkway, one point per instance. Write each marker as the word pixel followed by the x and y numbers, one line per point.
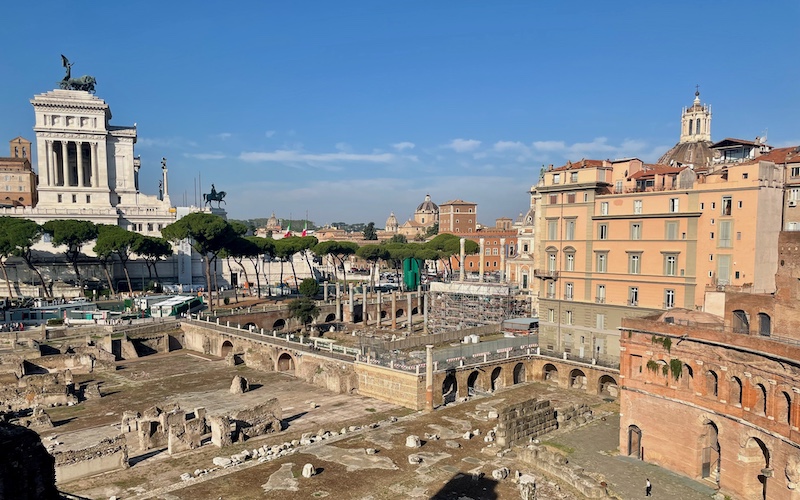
pixel 595 448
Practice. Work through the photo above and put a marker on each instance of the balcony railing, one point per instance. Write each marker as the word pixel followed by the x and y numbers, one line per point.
pixel 600 300
pixel 633 302
pixel 567 296
pixel 545 274
pixel 551 295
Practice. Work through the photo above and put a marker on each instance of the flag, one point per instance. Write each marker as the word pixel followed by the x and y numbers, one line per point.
pixel 288 231
pixel 305 229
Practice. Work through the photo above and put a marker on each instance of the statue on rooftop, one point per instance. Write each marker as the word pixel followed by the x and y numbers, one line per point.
pixel 219 197
pixel 85 82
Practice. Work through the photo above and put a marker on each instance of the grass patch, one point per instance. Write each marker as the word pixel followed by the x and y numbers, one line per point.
pixel 371 410
pixel 561 447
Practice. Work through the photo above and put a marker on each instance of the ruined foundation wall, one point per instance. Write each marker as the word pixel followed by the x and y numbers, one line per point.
pixel 520 422
pixel 109 454
pixel 558 466
pixel 392 386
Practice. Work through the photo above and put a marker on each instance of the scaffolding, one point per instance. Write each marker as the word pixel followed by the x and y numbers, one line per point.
pixel 460 305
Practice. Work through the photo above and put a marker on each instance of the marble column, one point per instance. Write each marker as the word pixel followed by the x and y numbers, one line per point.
pixel 95 175
pixel 79 155
pixel 408 314
pixel 338 302
pixel 394 310
pixel 351 303
pixel 429 377
pixel 364 306
pixel 461 256
pixel 425 314
pixel 64 164
pixel 48 162
pixel 378 309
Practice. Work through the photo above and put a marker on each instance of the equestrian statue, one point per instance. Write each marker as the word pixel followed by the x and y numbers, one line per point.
pixel 85 82
pixel 219 197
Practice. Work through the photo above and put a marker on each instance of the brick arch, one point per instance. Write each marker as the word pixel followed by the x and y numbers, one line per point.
pixel 285 361
pixel 607 386
pixel 226 348
pixel 784 405
pixel 735 389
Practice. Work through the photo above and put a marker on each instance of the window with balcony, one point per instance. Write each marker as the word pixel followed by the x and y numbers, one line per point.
pixel 670 265
pixel 600 297
pixel 669 298
pixel 725 234
pixel 604 208
pixel 602 231
pixel 674 205
pixel 634 263
pixel 637 206
pixel 727 205
pixel 569 289
pixel 633 296
pixel 552 229
pixel 570 230
pixel 601 262
pixel 636 231
pixel 551 290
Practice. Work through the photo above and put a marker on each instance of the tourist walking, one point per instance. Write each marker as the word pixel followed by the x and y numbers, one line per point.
pixel 648 488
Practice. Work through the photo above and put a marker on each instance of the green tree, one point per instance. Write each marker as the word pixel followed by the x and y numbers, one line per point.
pixel 432 231
pixel 152 249
pixel 208 234
pixel 266 249
pixel 369 232
pixel 398 238
pixel 238 249
pixel 120 241
pixel 25 233
pixel 448 246
pixel 74 234
pixel 309 288
pixel 7 248
pixel 304 309
pixel 105 251
pixel 307 243
pixel 373 254
pixel 285 249
pixel 339 250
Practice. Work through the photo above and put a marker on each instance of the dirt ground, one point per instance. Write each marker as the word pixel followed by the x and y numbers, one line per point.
pixel 344 469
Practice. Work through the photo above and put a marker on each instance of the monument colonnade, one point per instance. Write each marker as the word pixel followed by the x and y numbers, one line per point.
pixel 71 163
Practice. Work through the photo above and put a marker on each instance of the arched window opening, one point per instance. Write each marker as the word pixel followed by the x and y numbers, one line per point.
pixel 735 396
pixel 760 407
pixel 764 324
pixel 712 383
pixel 740 322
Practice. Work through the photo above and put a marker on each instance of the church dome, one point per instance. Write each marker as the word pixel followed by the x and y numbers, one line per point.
pixel 391 223
pixel 428 205
pixel 272 221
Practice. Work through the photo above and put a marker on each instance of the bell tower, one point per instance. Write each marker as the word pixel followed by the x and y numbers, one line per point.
pixel 696 121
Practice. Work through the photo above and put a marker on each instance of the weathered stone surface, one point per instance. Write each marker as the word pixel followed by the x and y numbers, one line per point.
pixel 239 385
pixel 413 442
pixel 24 458
pixel 500 473
pixel 414 459
pixel 370 451
pixel 222 461
pixel 308 470
pixel 452 444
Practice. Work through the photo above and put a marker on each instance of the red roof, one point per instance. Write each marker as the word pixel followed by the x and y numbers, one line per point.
pixel 780 155
pixel 651 170
pixel 584 163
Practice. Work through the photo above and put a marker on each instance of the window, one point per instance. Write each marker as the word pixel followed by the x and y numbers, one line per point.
pixel 553 199
pixel 569 289
pixel 568 318
pixel 552 229
pixel 711 235
pixel 551 262
pixel 149 226
pixel 495 251
pixel 601 262
pixel 713 205
pixel 672 230
pixel 794 194
pixel 573 177
pixel 570 197
pixel 59 198
pixel 487 251
pixel 670 265
pixel 585 197
pixel 740 204
pixel 795 171
pixel 600 321
pixel 74 198
pixel 674 205
pixel 702 206
pixel 570 229
pixel 669 299
pixel 633 296
pixel 637 206
pixel 602 231
pixel 635 263
pixel 738 235
pixel 551 290
pixel 570 262
pixel 636 231
pixel 727 205
pixel 725 233
pixel 551 315
pixel 604 208
pixel 88 198
pixel 618 187
pixel 556 178
pixel 600 298
pixel 525 247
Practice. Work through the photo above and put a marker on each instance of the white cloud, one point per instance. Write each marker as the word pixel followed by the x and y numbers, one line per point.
pixel 269 133
pixel 400 146
pixel 343 146
pixel 463 145
pixel 549 146
pixel 516 146
pixel 204 156
pixel 224 135
pixel 298 156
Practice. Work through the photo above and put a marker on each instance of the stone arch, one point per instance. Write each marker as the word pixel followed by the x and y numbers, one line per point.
pixel 251 327
pixel 472 382
pixel 330 317
pixel 550 373
pixel 519 373
pixel 450 387
pixel 735 392
pixel 634 441
pixel 285 362
pixel 227 348
pixel 783 413
pixel 383 314
pixel 764 324
pixel 740 322
pixel 607 386
pixel 399 313
pixel 760 399
pixel 710 452
pixel 496 380
pixel 577 379
pixel 756 469
pixel 712 384
pixel 279 324
pixel 687 377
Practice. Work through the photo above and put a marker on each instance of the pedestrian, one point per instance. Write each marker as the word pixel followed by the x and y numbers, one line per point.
pixel 648 488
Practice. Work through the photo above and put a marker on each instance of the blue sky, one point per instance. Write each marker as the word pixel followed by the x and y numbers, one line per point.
pixel 350 110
